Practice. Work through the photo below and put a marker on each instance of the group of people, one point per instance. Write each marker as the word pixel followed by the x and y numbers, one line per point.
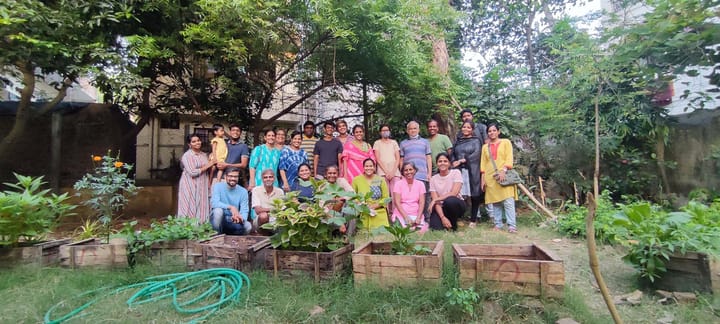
pixel 430 181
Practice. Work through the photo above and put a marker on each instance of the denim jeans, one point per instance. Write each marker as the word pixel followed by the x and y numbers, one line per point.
pixel 508 206
pixel 221 221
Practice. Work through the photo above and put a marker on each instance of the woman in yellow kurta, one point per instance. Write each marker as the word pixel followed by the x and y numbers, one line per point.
pixel 368 181
pixel 501 198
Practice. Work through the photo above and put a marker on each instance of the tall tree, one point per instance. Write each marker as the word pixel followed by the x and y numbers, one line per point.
pixel 39 38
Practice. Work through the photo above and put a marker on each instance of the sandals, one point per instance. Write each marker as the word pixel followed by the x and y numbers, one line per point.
pixel 512 229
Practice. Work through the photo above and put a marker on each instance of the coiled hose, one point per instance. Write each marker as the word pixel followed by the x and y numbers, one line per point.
pixel 222 286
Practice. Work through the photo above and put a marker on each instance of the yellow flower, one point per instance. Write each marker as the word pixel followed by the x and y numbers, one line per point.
pixel 96 158
pixel 118 164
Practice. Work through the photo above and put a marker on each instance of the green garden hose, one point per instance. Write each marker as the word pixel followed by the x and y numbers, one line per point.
pixel 184 289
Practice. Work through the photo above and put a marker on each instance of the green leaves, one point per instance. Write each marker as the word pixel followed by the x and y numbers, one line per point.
pixel 29 213
pixel 107 188
pixel 652 234
pixel 173 229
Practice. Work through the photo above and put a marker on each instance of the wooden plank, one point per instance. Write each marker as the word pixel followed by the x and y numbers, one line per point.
pixel 687 265
pixel 519 277
pixel 546 253
pixel 510 265
pixel 458 250
pixel 402 272
pixel 364 249
pixel 714 264
pixel 527 289
pixel 489 250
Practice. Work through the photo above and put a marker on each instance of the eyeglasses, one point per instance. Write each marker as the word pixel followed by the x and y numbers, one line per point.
pixel 408 170
pixel 267 177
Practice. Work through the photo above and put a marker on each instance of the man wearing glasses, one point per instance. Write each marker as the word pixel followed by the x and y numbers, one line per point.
pixel 229 205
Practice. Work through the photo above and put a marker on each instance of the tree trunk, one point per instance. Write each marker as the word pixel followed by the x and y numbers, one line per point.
pixel 660 156
pixel 444 117
pixel 22 114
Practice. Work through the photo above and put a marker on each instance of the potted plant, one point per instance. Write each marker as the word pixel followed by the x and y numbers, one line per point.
pixel 106 191
pixel 27 215
pixel 175 238
pixel 675 251
pixel 308 235
pixel 402 261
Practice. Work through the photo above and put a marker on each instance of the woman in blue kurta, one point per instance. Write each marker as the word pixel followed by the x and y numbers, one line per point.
pixel 291 157
pixel 263 157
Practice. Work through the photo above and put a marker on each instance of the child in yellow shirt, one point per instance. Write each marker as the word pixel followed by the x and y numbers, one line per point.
pixel 219 149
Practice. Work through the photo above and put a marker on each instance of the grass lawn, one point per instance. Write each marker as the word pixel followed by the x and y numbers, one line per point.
pixel 28 292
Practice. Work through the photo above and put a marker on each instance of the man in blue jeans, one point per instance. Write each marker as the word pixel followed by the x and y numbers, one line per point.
pixel 230 206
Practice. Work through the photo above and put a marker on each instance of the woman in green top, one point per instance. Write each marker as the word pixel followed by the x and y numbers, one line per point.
pixel 368 181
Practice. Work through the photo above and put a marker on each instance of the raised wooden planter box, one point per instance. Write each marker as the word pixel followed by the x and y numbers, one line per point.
pixel 182 252
pixel 93 253
pixel 319 265
pixel 45 253
pixel 526 269
pixel 373 262
pixel 691 272
pixel 237 252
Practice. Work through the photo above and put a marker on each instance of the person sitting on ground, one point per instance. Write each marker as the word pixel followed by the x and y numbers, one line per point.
pixel 230 205
pixel 447 204
pixel 409 199
pixel 263 196
pixel 369 181
pixel 303 185
pixel 334 181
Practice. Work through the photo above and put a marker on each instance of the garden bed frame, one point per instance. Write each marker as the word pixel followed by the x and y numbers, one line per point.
pixel 526 269
pixel 690 272
pixel 43 253
pixel 93 253
pixel 320 265
pixel 375 263
pixel 230 251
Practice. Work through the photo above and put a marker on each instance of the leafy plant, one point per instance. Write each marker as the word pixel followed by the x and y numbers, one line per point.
pixel 403 243
pixel 108 188
pixel 464 298
pixel 313 225
pixel 572 223
pixel 89 229
pixel 28 213
pixel 173 229
pixel 652 234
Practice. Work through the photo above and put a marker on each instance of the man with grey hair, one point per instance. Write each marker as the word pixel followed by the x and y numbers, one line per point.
pixel 417 150
pixel 262 197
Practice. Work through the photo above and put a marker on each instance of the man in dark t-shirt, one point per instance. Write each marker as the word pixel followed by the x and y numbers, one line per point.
pixel 238 153
pixel 327 151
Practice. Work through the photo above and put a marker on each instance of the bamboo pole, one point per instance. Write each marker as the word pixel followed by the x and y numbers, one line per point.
pixel 535 201
pixel 589 220
pixel 542 191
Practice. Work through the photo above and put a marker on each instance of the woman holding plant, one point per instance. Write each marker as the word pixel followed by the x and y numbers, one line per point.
pixel 447 204
pixel 194 190
pixel 371 182
pixel 409 198
pixel 502 198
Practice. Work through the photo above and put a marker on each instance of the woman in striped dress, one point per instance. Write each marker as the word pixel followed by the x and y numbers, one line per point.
pixel 194 188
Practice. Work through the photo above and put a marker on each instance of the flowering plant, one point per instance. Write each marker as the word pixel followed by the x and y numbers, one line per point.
pixel 108 186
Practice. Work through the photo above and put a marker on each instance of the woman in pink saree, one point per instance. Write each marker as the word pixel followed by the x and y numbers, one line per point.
pixel 356 151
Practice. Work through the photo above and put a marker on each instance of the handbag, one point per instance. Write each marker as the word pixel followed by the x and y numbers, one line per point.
pixel 512 177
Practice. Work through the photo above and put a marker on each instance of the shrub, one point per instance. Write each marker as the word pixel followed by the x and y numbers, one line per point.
pixel 29 213
pixel 173 229
pixel 573 222
pixel 108 186
pixel 652 234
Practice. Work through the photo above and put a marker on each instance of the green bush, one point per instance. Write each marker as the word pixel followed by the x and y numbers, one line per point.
pixel 175 228
pixel 29 213
pixel 573 222
pixel 652 234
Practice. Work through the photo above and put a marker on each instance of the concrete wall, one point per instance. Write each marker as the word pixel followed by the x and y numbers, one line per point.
pixel 692 144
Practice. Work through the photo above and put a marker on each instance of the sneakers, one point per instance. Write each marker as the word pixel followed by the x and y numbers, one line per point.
pixel 512 229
